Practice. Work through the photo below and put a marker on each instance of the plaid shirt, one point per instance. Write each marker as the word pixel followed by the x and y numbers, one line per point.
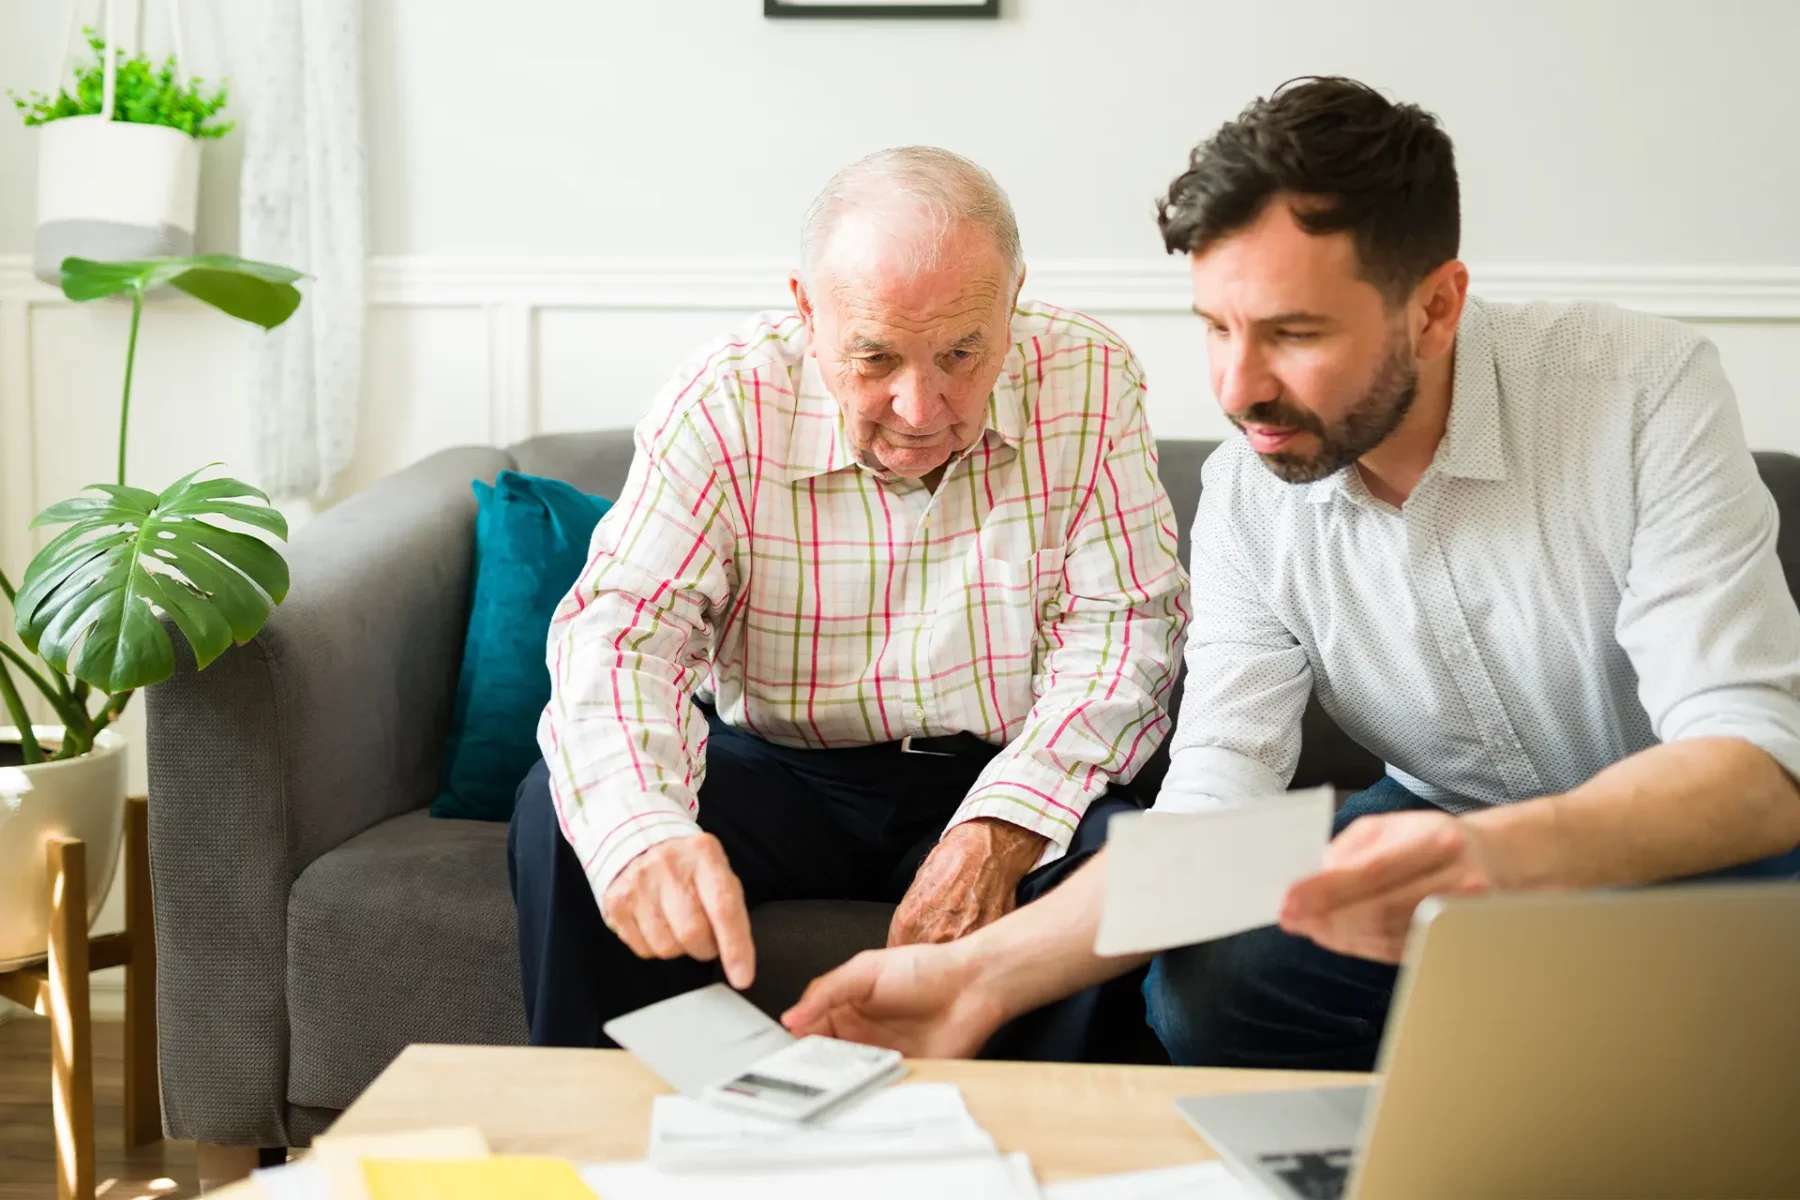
pixel 1035 600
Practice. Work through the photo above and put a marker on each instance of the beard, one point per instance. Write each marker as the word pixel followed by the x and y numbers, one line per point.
pixel 1364 426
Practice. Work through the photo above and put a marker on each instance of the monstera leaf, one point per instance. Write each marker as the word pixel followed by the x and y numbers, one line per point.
pixel 261 293
pixel 91 601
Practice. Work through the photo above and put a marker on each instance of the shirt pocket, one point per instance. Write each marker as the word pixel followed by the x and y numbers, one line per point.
pixel 996 634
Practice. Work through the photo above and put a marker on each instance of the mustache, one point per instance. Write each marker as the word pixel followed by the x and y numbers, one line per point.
pixel 1279 413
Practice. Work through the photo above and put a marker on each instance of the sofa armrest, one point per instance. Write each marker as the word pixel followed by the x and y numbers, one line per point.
pixel 331 720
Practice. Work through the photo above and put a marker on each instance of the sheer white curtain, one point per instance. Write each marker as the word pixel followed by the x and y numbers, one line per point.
pixel 302 205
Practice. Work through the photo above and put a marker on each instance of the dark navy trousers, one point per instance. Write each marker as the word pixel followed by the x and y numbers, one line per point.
pixel 852 824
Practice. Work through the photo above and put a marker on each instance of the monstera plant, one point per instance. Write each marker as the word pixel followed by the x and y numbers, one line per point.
pixel 93 603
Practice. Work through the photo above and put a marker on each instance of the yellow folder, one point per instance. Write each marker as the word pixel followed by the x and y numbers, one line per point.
pixel 502 1177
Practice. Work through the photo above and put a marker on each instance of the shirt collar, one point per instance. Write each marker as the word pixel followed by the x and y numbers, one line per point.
pixel 1472 447
pixel 821 444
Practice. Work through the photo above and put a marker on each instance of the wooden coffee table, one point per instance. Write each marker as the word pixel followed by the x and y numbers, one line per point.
pixel 594 1105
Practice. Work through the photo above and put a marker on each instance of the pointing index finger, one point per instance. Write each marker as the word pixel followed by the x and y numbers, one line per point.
pixel 723 898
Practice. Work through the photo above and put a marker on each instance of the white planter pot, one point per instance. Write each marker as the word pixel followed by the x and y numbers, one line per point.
pixel 84 798
pixel 113 190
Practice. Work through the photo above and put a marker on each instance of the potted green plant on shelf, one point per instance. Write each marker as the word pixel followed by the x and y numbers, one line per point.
pixel 92 609
pixel 119 157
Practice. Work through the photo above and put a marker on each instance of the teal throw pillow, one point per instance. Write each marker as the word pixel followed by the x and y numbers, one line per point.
pixel 531 543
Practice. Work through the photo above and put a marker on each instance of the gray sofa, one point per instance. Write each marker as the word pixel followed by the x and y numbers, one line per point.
pixel 312 920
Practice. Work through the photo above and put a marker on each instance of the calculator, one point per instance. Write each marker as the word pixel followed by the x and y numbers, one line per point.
pixel 805 1078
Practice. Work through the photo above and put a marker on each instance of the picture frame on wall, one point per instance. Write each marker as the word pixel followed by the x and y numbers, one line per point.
pixel 881 8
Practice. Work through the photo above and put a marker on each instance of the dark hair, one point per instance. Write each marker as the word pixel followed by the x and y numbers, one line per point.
pixel 1383 172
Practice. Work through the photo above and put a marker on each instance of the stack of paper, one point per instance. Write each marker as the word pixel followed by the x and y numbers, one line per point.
pixel 902 1142
pixel 912 1121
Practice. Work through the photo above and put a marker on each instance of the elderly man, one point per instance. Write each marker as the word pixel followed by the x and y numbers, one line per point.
pixel 888 611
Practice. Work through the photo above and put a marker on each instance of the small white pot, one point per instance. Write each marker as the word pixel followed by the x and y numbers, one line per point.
pixel 82 797
pixel 113 190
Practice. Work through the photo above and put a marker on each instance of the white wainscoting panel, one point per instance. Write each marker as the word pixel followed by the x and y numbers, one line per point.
pixel 427 385
pixel 600 368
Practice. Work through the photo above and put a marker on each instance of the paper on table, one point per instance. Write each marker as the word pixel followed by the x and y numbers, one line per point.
pixel 1174 879
pixel 699 1037
pixel 341 1156
pixel 918 1120
pixel 971 1178
pixel 1195 1181
pixel 301 1179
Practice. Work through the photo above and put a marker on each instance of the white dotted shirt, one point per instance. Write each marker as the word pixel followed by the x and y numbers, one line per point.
pixel 1587 568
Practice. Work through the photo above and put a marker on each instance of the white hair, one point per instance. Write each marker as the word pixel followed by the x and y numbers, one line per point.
pixel 944 189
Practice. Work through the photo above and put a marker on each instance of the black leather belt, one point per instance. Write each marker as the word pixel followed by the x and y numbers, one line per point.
pixel 953 745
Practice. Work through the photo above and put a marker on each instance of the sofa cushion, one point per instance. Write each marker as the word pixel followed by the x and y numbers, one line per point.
pixel 531 543
pixel 799 940
pixel 403 934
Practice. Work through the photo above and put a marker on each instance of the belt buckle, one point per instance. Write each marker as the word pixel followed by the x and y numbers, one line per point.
pixel 906 747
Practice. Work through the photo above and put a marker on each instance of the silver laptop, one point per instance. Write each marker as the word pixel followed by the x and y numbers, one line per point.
pixel 1605 1044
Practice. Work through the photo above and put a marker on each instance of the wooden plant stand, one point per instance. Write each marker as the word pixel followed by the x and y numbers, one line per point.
pixel 58 988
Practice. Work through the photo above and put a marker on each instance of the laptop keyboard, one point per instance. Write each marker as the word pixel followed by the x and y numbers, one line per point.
pixel 1317 1175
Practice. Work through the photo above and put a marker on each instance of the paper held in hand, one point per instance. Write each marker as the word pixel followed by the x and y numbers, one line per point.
pixel 1174 879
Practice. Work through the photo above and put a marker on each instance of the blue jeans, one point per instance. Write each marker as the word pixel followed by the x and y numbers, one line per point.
pixel 1265 998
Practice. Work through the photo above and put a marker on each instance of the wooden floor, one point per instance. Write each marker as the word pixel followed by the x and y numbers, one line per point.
pixel 27 1166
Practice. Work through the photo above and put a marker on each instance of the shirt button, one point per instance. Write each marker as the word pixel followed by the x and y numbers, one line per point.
pixel 918 714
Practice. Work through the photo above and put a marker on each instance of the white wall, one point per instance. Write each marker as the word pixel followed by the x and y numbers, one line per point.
pixel 566 195
pixel 1644 149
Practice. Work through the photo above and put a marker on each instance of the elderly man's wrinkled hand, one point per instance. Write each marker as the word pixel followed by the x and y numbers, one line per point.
pixel 967 881
pixel 680 898
pixel 1377 871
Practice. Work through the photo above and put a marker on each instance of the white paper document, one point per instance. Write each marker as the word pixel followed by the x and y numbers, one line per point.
pixel 976 1177
pixel 911 1121
pixel 302 1179
pixel 698 1038
pixel 1174 879
pixel 1195 1181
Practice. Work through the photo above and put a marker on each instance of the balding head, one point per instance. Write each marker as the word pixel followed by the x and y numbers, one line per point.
pixel 913 204
pixel 910 267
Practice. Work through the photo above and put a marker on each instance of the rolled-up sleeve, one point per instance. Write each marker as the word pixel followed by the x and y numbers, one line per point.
pixel 1110 653
pixel 1238 733
pixel 1706 616
pixel 628 647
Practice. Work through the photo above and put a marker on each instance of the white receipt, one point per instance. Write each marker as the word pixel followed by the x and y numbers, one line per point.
pixel 1174 879
pixel 919 1120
